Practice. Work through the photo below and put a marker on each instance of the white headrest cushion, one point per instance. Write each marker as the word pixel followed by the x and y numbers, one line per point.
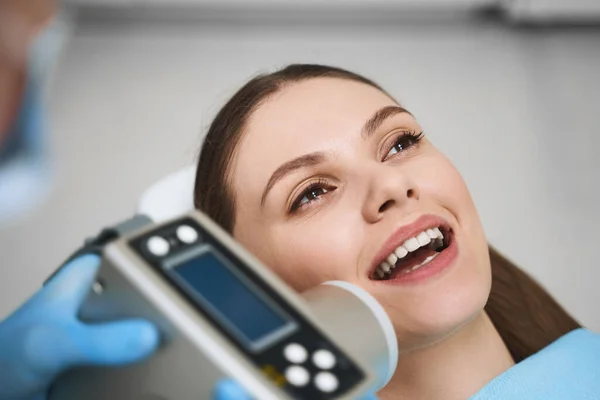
pixel 170 197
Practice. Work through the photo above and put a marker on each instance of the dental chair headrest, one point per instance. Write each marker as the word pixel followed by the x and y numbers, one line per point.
pixel 170 197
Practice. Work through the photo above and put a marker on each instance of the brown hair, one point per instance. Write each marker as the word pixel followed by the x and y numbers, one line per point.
pixel 526 316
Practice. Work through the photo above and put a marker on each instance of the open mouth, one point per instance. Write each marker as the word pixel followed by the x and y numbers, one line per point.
pixel 414 253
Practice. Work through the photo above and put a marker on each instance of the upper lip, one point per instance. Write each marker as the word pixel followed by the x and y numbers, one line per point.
pixel 404 233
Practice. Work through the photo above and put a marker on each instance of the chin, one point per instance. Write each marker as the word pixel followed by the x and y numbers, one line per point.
pixel 427 320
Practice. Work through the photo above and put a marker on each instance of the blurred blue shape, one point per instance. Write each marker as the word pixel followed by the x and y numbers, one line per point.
pixel 228 389
pixel 25 170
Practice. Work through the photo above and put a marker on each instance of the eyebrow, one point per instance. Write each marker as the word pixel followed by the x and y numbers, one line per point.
pixel 307 160
pixel 379 118
pixel 312 159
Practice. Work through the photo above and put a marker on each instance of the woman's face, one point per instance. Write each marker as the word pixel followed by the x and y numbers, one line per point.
pixel 331 178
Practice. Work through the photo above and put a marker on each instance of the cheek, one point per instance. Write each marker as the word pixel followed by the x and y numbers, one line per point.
pixel 306 254
pixel 308 250
pixel 440 181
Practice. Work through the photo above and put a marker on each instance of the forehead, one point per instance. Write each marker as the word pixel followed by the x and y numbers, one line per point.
pixel 314 115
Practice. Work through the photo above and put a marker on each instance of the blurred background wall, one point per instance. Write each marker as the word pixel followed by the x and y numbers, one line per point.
pixel 510 91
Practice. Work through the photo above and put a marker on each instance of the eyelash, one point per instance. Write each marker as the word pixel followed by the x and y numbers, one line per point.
pixel 320 184
pixel 413 138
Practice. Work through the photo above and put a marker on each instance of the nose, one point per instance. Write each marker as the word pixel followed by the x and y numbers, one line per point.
pixel 388 187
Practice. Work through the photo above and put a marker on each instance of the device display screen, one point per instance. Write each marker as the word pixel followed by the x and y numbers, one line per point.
pixel 231 298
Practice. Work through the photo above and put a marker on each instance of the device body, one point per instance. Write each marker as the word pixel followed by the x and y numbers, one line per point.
pixel 222 313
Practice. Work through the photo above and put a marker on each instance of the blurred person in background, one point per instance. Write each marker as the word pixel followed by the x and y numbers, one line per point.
pixel 29 40
pixel 43 337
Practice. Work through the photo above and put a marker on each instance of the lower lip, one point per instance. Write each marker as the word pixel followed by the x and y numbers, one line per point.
pixel 442 262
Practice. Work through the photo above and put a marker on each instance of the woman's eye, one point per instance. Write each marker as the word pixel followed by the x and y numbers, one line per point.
pixel 403 142
pixel 309 195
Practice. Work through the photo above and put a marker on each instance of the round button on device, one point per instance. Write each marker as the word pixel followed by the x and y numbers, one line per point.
pixel 158 246
pixel 326 382
pixel 297 375
pixel 295 353
pixel 187 234
pixel 98 287
pixel 324 359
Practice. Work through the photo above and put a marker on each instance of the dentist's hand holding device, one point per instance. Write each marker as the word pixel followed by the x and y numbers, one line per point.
pixel 221 313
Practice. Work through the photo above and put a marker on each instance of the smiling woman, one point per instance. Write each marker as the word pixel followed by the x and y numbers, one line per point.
pixel 324 176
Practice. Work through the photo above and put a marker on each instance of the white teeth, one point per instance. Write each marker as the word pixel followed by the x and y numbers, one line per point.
pixel 385 266
pixel 425 261
pixel 392 258
pixel 412 244
pixel 423 239
pixel 401 252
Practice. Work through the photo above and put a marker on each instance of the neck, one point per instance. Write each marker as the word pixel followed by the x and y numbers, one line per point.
pixel 452 369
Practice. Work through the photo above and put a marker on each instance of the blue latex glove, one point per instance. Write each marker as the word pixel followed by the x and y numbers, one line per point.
pixel 229 390
pixel 569 368
pixel 44 337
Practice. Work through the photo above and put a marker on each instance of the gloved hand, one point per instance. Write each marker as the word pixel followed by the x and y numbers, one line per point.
pixel 228 389
pixel 44 337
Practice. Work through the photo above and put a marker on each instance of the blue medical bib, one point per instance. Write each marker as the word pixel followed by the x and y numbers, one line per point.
pixel 568 369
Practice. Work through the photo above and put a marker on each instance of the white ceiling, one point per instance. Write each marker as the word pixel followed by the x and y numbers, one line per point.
pixel 294 3
pixel 523 10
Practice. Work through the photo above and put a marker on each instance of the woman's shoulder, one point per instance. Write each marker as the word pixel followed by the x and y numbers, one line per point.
pixel 569 368
pixel 580 342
